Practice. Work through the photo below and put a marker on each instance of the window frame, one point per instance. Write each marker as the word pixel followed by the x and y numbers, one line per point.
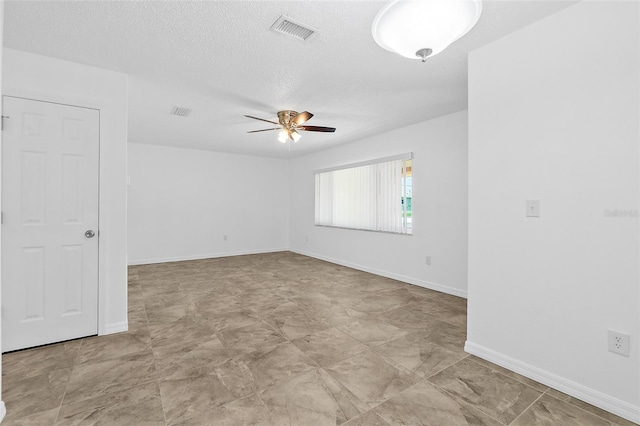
pixel 408 231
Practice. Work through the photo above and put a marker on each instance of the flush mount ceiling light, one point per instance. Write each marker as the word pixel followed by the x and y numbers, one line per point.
pixel 417 29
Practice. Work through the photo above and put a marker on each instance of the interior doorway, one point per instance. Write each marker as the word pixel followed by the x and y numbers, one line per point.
pixel 50 189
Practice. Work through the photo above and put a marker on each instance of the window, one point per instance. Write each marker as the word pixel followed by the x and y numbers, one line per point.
pixel 374 195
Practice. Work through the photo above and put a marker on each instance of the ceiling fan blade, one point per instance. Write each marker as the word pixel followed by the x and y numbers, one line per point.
pixel 317 129
pixel 264 130
pixel 303 117
pixel 261 119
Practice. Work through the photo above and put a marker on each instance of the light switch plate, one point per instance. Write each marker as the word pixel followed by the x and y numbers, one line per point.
pixel 533 208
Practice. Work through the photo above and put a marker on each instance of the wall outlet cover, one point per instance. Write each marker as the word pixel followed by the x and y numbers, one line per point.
pixel 618 342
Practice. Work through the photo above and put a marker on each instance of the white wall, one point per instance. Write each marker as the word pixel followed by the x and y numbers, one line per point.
pixel 40 77
pixel 554 115
pixel 439 207
pixel 3 409
pixel 183 201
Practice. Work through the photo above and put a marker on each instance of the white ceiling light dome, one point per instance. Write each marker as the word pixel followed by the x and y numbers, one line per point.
pixel 416 29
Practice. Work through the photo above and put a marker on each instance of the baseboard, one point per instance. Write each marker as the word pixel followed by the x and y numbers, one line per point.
pixel 410 280
pixel 3 411
pixel 576 390
pixel 201 256
pixel 116 327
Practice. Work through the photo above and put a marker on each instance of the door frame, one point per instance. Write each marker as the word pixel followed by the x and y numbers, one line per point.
pixel 103 326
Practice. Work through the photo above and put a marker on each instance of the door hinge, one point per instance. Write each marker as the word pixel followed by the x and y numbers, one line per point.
pixel 2 121
pixel 1 218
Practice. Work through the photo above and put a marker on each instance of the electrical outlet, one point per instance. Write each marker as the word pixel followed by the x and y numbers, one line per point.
pixel 224 238
pixel 618 343
pixel 427 260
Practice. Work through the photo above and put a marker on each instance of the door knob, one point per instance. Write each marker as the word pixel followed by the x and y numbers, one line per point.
pixel 89 234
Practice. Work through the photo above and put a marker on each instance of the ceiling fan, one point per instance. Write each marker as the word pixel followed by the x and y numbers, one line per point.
pixel 290 123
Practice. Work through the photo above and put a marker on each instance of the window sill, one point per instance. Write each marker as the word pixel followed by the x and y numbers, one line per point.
pixel 409 233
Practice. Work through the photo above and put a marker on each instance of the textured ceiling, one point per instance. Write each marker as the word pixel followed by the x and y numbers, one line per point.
pixel 221 60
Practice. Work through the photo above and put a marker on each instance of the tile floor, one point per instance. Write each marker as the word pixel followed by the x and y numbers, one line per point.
pixel 278 339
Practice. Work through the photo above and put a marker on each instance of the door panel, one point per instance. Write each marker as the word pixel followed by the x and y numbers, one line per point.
pixel 49 200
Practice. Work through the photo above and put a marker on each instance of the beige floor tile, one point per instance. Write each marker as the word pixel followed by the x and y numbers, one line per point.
pixel 42 418
pixel 232 320
pixel 315 301
pixel 181 332
pixel 185 398
pixel 161 314
pixel 258 337
pixel 329 346
pixel 509 373
pixel 370 418
pixel 236 376
pixel 27 396
pixel 314 398
pixel 276 364
pixel 160 287
pixel 140 405
pixel 618 421
pixel 166 300
pixel 190 359
pixel 294 322
pixel 214 303
pixel 378 302
pixel 279 339
pixel 425 405
pixel 92 379
pixel 370 378
pixel 549 411
pixel 262 301
pixel 102 348
pixel 246 411
pixel 137 321
pixel 419 354
pixel 499 396
pixel 412 317
pixel 38 361
pixel 338 316
pixel 372 332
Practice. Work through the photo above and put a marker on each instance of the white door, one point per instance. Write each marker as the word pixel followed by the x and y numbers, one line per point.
pixel 50 211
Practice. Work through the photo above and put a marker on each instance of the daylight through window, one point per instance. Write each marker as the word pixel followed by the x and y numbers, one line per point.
pixel 374 195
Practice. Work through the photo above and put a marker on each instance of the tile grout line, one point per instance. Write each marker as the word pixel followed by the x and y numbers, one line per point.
pixel 508 377
pixel 503 375
pixel 455 397
pixel 450 365
pixel 66 386
pixel 527 409
pixel 381 344
pixel 579 408
pixel 157 380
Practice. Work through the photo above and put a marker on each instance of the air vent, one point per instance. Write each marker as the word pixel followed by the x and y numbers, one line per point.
pixel 181 111
pixel 289 27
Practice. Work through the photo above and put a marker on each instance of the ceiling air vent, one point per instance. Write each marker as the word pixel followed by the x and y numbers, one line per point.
pixel 288 26
pixel 181 111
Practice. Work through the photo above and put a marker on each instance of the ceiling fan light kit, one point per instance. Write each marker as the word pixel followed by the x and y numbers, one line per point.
pixel 291 122
pixel 417 29
pixel 283 136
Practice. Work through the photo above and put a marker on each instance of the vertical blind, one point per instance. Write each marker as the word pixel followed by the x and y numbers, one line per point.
pixel 369 196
